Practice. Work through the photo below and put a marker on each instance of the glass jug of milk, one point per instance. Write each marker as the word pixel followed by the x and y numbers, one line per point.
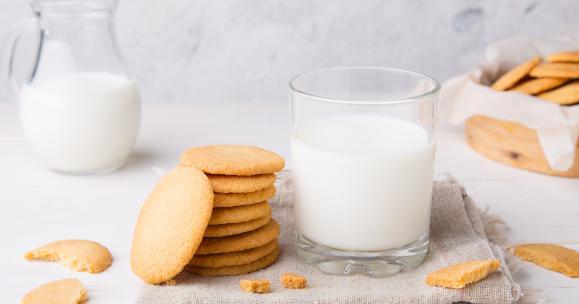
pixel 79 106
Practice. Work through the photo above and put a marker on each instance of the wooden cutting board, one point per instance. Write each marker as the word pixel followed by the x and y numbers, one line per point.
pixel 513 144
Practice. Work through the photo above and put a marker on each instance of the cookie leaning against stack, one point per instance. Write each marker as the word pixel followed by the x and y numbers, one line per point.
pixel 184 224
pixel 241 236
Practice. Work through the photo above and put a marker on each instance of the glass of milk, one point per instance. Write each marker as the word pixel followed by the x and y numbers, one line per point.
pixel 79 105
pixel 362 147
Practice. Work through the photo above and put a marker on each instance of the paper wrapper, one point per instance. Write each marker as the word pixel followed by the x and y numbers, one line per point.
pixel 557 126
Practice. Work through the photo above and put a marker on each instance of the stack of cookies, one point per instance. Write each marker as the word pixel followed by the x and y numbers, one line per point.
pixel 210 216
pixel 241 236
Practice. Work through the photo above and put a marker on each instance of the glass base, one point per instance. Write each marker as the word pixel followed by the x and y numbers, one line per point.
pixel 372 263
pixel 97 171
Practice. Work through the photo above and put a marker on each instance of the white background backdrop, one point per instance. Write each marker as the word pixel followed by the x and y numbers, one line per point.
pixel 245 50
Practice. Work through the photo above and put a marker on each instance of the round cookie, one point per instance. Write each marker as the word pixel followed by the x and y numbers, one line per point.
pixel 264 262
pixel 232 160
pixel 510 78
pixel 239 242
pixel 171 225
pixel 556 70
pixel 61 291
pixel 236 228
pixel 239 214
pixel 78 255
pixel 538 85
pixel 240 199
pixel 240 184
pixel 234 258
pixel 566 95
pixel 571 56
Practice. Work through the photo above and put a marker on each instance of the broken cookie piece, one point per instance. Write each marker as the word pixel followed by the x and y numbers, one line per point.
pixel 255 286
pixel 293 281
pixel 78 255
pixel 553 257
pixel 460 275
pixel 67 291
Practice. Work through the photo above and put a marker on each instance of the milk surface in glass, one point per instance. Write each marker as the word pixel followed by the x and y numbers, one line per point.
pixel 81 122
pixel 362 182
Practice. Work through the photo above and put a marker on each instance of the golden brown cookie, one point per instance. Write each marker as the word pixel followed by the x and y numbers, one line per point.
pixel 233 258
pixel 460 275
pixel 255 286
pixel 78 255
pixel 538 85
pixel 510 78
pixel 293 281
pixel 553 257
pixel 171 225
pixel 565 95
pixel 240 242
pixel 236 228
pixel 556 70
pixel 264 262
pixel 232 160
pixel 571 56
pixel 239 214
pixel 240 184
pixel 240 199
pixel 66 291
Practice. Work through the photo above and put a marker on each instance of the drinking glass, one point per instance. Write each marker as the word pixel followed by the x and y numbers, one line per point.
pixel 362 147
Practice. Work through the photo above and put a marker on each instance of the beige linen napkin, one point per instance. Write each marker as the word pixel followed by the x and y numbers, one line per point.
pixel 457 235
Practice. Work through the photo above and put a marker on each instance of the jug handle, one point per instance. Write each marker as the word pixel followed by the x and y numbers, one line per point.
pixel 13 38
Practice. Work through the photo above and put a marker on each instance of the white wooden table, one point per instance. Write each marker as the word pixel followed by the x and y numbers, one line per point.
pixel 38 206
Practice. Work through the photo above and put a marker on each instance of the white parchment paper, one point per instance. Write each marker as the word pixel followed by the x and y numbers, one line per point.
pixel 557 126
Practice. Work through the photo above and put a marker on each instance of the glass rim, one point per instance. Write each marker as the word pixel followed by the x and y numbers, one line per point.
pixel 383 101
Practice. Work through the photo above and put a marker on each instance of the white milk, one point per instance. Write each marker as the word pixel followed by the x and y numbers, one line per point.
pixel 362 182
pixel 82 122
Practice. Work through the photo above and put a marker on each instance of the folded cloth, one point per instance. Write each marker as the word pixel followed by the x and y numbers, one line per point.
pixel 457 234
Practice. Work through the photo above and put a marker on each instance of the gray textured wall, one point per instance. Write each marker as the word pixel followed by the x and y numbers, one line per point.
pixel 247 49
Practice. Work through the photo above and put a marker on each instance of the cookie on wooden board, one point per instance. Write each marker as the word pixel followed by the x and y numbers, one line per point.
pixel 78 255
pixel 236 228
pixel 565 95
pixel 239 242
pixel 556 70
pixel 234 258
pixel 553 257
pixel 66 291
pixel 569 56
pixel 510 78
pixel 460 275
pixel 171 225
pixel 232 160
pixel 241 199
pixel 264 262
pixel 538 85
pixel 240 184
pixel 239 214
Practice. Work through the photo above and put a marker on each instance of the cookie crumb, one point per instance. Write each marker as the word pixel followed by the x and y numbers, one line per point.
pixel 462 274
pixel 171 282
pixel 255 286
pixel 293 281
